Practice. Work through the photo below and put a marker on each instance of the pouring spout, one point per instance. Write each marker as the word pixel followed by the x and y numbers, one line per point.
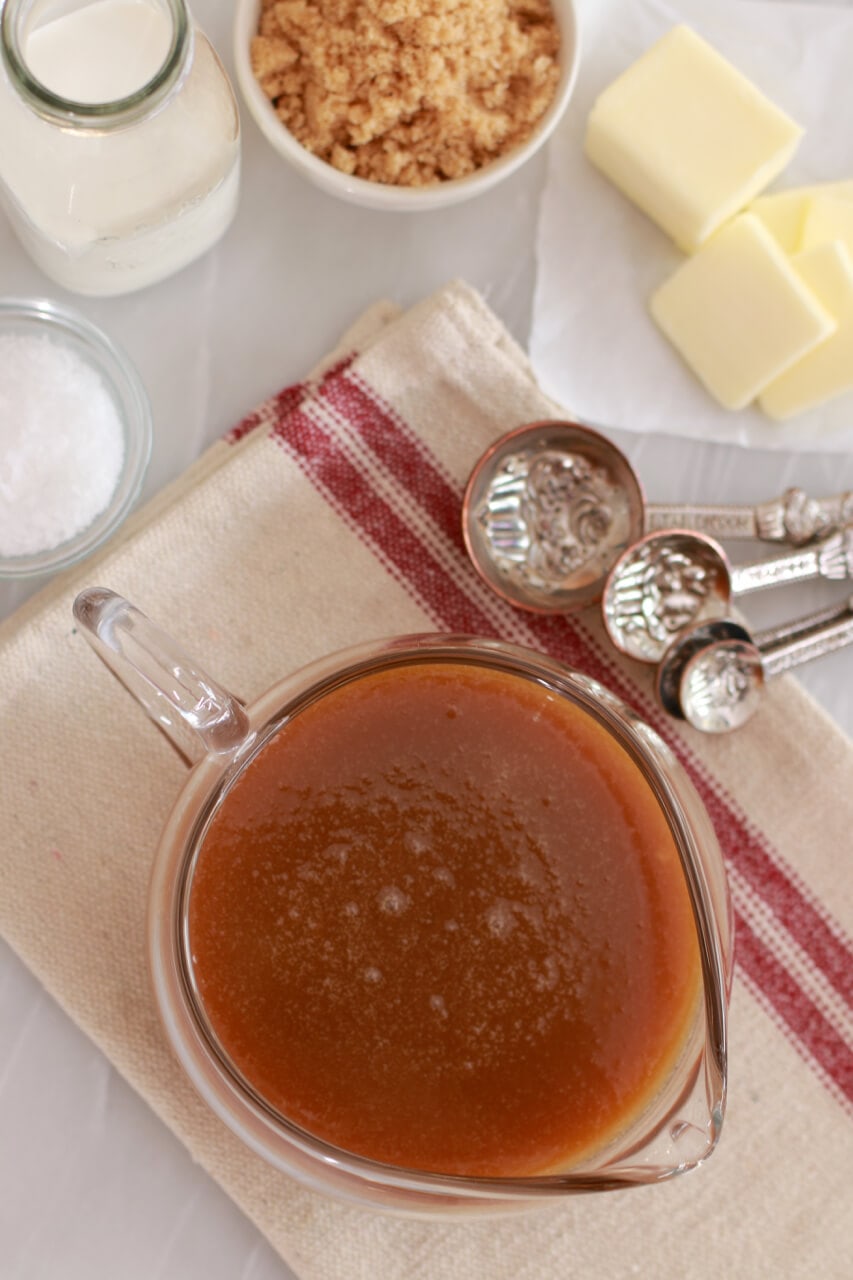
pixel 197 715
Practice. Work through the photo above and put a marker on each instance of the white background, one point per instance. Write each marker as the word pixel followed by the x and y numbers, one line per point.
pixel 91 1184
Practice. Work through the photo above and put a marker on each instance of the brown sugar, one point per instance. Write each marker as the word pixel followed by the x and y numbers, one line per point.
pixel 408 92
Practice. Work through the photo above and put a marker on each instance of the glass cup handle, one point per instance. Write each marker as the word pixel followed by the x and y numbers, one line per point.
pixel 197 715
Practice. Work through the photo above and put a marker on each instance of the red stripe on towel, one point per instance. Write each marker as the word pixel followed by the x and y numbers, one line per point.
pixel 775 986
pixel 344 486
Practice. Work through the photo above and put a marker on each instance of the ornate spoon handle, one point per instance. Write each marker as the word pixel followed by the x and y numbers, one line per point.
pixel 790 646
pixel 832 558
pixel 794 518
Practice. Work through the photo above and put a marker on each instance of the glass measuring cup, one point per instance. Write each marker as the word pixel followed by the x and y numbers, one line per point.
pixel 551 505
pixel 675 1128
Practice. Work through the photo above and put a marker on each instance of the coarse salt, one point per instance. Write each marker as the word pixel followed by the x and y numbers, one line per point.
pixel 61 444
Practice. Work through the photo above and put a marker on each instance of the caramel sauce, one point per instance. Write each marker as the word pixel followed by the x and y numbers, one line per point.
pixel 441 921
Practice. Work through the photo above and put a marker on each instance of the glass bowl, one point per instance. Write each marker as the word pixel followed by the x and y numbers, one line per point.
pixel 673 1128
pixel 72 332
pixel 378 195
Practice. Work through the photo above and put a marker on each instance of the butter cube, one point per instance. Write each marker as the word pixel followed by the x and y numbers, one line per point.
pixel 687 137
pixel 739 313
pixel 784 212
pixel 828 218
pixel 827 370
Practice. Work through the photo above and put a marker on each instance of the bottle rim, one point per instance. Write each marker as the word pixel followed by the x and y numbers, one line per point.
pixel 58 109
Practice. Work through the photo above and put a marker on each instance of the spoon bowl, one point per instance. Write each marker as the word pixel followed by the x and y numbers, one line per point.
pixel 694 639
pixel 547 510
pixel 721 685
pixel 662 584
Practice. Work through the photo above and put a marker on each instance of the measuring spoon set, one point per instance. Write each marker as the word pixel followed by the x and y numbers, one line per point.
pixel 555 518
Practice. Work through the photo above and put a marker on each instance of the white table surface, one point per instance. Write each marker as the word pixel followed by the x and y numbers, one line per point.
pixel 91 1184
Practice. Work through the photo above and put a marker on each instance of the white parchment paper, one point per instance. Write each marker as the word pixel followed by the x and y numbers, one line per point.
pixel 593 343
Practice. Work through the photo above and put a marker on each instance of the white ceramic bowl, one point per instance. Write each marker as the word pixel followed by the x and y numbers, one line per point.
pixel 377 195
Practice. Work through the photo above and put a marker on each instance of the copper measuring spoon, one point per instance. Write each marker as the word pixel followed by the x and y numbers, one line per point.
pixel 667 581
pixel 714 676
pixel 550 506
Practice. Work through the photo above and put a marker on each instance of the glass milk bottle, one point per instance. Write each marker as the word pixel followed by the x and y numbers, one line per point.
pixel 119 139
